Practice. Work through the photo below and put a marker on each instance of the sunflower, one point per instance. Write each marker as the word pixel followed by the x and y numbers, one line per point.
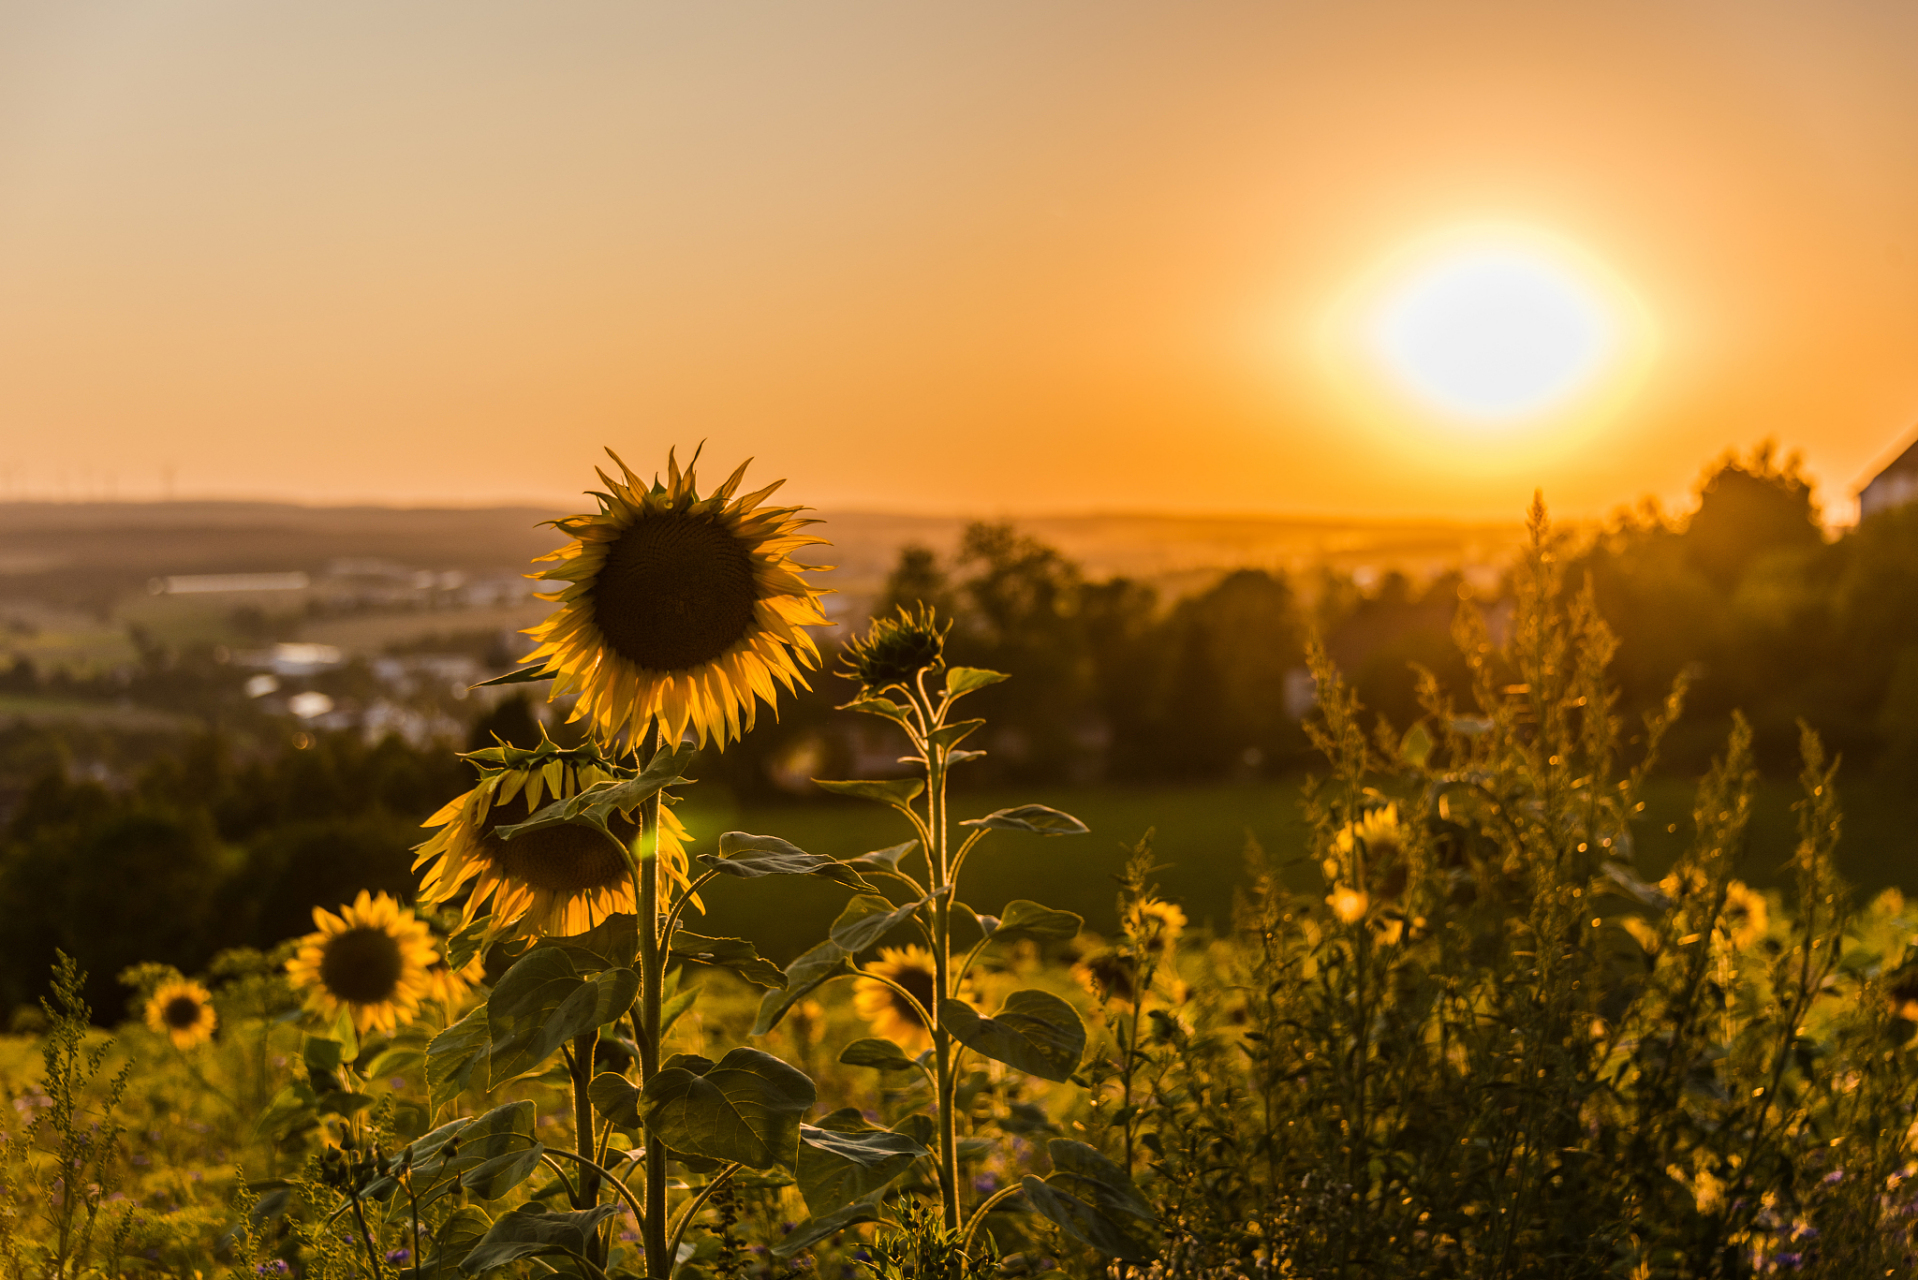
pixel 1156 925
pixel 1109 975
pixel 370 960
pixel 1381 838
pixel 678 606
pixel 556 882
pixel 1349 905
pixel 889 1013
pixel 1747 918
pixel 449 986
pixel 183 1012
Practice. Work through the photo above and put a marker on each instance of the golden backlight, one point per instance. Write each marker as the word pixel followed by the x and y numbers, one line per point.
pixel 1488 347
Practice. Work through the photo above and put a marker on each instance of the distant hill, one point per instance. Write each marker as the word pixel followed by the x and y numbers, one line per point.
pixel 72 574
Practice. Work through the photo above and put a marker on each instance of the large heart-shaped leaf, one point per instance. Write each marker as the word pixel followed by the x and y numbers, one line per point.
pixel 613 943
pixel 1024 918
pixel 818 966
pixel 492 1154
pixel 735 954
pixel 867 919
pixel 527 1232
pixel 897 792
pixel 843 1159
pixel 1041 818
pixel 454 1053
pixel 615 1098
pixel 1090 1197
pixel 750 856
pixel 746 1109
pixel 881 1054
pixel 542 1002
pixel 457 1237
pixel 813 1230
pixel 1036 1032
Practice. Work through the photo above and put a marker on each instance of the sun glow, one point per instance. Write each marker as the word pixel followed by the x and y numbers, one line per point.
pixel 1489 335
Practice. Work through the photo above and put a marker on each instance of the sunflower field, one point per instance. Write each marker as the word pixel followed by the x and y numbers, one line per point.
pixel 1468 1034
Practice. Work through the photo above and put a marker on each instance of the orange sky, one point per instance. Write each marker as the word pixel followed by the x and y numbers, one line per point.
pixel 994 256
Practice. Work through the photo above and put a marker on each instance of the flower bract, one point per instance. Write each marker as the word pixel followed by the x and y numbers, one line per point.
pixel 370 960
pixel 679 607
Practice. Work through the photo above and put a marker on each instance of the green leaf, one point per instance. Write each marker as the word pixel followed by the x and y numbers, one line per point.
pixel 1036 1032
pixel 1091 1197
pixel 735 954
pixel 805 975
pixel 1024 918
pixel 1041 818
pixel 527 1232
pixel 615 1098
pixel 867 919
pixel 897 792
pixel 953 734
pixel 456 1237
pixel 918 1126
pixel 454 1053
pixel 465 944
pixel 595 806
pixel 322 1057
pixel 613 943
pixel 542 1002
pixel 881 1054
pixel 843 1159
pixel 745 1109
pixel 963 680
pixel 874 705
pixel 671 1009
pixel 395 1060
pixel 289 1106
pixel 525 675
pixel 1083 1222
pixel 889 857
pixel 495 1153
pixel 496 1175
pixel 815 1229
pixel 750 857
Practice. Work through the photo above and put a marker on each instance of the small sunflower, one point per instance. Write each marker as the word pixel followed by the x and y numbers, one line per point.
pixel 887 1012
pixel 557 882
pixel 1109 975
pixel 1155 925
pixel 678 606
pixel 1381 838
pixel 370 959
pixel 183 1012
pixel 1747 917
pixel 450 986
pixel 1349 905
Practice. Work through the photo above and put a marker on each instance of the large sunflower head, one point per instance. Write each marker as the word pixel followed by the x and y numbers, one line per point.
pixel 182 1011
pixel 370 960
pixel 678 606
pixel 889 1013
pixel 555 882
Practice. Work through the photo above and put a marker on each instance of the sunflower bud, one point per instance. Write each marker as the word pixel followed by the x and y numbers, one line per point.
pixel 895 650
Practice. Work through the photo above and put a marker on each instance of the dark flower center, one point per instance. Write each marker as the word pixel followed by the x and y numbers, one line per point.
pixel 362 965
pixel 918 982
pixel 181 1012
pixel 562 860
pixel 675 591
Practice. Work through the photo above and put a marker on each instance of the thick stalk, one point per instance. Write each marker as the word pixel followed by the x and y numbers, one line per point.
pixel 652 974
pixel 583 1046
pixel 943 986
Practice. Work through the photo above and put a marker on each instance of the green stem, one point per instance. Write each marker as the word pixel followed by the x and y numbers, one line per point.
pixel 652 975
pixel 583 1046
pixel 945 1067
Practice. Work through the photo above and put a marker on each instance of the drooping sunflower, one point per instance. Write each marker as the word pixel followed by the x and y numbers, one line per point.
pixel 886 1011
pixel 678 606
pixel 182 1011
pixel 370 960
pixel 555 883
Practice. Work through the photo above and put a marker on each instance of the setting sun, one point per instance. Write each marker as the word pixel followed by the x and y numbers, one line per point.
pixel 1488 332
